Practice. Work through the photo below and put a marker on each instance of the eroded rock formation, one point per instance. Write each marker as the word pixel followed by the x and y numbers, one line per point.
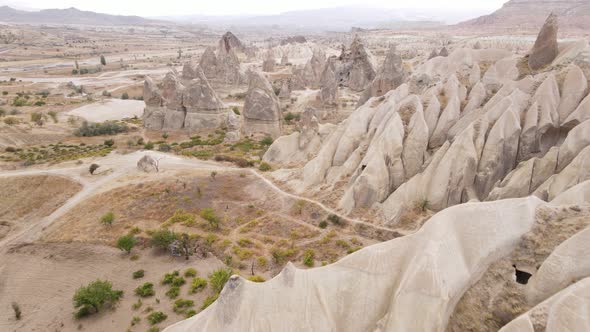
pixel 262 110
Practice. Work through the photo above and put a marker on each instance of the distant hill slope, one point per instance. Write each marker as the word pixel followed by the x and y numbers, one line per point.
pixel 530 14
pixel 68 16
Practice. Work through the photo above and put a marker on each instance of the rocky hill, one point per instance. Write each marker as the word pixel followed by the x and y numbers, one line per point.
pixel 68 16
pixel 530 14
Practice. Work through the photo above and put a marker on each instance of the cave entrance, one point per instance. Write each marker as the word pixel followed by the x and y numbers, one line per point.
pixel 363 167
pixel 522 277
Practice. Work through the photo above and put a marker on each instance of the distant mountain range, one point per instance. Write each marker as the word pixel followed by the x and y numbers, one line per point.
pixel 338 19
pixel 68 16
pixel 530 14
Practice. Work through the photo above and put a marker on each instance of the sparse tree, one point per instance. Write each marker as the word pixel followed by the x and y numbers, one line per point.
pixel 126 243
pixel 213 174
pixel 103 61
pixel 92 298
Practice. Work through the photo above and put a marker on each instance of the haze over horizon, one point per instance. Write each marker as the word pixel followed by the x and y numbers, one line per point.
pixel 241 8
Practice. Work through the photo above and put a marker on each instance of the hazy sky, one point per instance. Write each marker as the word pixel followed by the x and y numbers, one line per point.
pixel 236 7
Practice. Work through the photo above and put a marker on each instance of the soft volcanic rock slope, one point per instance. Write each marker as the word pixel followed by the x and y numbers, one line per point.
pixel 500 156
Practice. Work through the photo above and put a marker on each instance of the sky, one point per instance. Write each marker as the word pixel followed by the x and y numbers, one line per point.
pixel 154 8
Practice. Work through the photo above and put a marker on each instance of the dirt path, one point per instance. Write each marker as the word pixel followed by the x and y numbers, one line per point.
pixel 119 165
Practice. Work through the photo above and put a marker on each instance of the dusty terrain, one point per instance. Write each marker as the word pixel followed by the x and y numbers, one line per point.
pixel 412 175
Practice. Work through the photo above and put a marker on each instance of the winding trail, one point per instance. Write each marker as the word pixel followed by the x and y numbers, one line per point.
pixel 116 166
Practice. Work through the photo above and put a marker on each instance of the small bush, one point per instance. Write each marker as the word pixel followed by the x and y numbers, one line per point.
pixel 197 285
pixel 19 102
pixel 94 297
pixel 308 258
pixel 156 317
pixel 163 238
pixel 169 277
pixel 135 320
pixel 125 96
pixel 137 304
pixel 138 274
pixel 100 129
pixel 126 243
pixel 178 281
pixel 335 219
pixel 109 143
pixel 11 121
pixel 145 290
pixel 173 292
pixel 190 313
pixel 323 224
pixel 39 103
pixel 209 215
pixel 208 301
pixel 190 272
pixel 181 305
pixel 37 118
pixel 148 146
pixel 108 218
pixel 266 141
pixel 219 278
pixel 256 279
pixel 53 115
pixel 17 311
pixel 264 167
pixel 236 110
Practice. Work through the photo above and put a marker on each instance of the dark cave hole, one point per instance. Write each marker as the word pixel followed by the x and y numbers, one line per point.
pixel 522 277
pixel 363 167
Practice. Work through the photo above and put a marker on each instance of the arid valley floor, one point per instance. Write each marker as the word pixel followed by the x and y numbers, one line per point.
pixel 411 179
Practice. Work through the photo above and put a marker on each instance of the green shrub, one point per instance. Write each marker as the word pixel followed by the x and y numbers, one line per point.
pixel 181 217
pixel 109 143
pixel 308 258
pixel 148 146
pixel 94 297
pixel 19 102
pixel 137 304
pixel 264 167
pixel 178 281
pixel 256 279
pixel 11 121
pixel 39 103
pixel 219 278
pixel 190 272
pixel 100 129
pixel 169 277
pixel 335 219
pixel 190 313
pixel 208 301
pixel 281 255
pixel 197 285
pixel 323 224
pixel 108 218
pixel 53 115
pixel 126 243
pixel 266 141
pixel 209 215
pixel 156 317
pixel 181 305
pixel 135 320
pixel 37 118
pixel 125 96
pixel 162 238
pixel 138 274
pixel 236 110
pixel 173 292
pixel 145 290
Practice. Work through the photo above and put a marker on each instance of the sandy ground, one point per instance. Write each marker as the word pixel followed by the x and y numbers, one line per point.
pixel 113 109
pixel 42 279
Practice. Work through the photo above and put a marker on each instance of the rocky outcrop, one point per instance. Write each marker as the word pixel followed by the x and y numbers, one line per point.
pixel 262 111
pixel 311 73
pixel 301 145
pixel 390 76
pixel 545 49
pixel 189 104
pixel 208 63
pixel 269 63
pixel 147 164
pixel 284 60
pixel 285 92
pixel 234 125
pixel 229 41
pixel 355 69
pixel 329 85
